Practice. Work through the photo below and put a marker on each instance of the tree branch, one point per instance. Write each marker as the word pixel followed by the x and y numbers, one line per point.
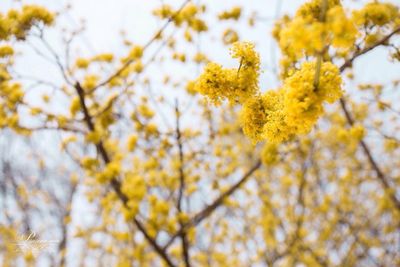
pixel 152 40
pixel 64 226
pixel 208 210
pixel 350 120
pixel 115 184
pixel 349 62
pixel 185 243
pixel 379 173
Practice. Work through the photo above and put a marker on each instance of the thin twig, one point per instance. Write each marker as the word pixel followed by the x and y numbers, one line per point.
pixel 319 57
pixel 185 243
pixel 350 120
pixel 349 62
pixel 367 151
pixel 115 184
pixel 208 210
pixel 152 40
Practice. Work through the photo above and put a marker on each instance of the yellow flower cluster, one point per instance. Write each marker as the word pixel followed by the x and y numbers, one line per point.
pixel 216 83
pixel 83 63
pixel 135 53
pixel 134 188
pixel 236 85
pixel 303 101
pixel 159 210
pixel 234 14
pixel 6 51
pixel 18 23
pixel 274 115
pixel 316 27
pixel 15 24
pixel 90 81
pixel 344 32
pixel 188 15
pixel 275 128
pixel 11 95
pixel 357 132
pixel 376 13
pixel 293 109
pixel 312 30
pixel 300 36
pixel 262 117
pixel 314 8
pixel 132 142
pixel 254 117
pixel 75 106
pixel 270 154
pixel 110 171
pixel 230 36
pixel 105 57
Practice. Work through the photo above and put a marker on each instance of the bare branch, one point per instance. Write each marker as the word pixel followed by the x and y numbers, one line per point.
pixel 151 41
pixel 208 210
pixel 115 184
pixel 350 120
pixel 348 63
pixel 185 243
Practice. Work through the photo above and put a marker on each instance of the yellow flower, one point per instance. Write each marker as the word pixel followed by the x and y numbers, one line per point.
pixel 216 83
pixel 313 9
pixel 253 118
pixel 357 132
pixel 230 36
pixel 6 51
pixel 90 81
pixel 269 154
pixel 89 163
pixel 138 66
pixel 236 85
pixel 82 63
pixel 29 15
pixel 200 57
pixel 376 13
pixel 343 30
pixel 234 14
pixel 189 11
pixel 75 106
pixel 136 52
pixel 132 142
pixel 293 109
pixel 93 137
pixel 111 171
pixel 303 101
pixel 104 57
pixel 145 111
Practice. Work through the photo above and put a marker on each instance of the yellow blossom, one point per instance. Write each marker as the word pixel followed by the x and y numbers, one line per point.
pixel 131 144
pixel 234 14
pixel 82 63
pixel 269 154
pixel 303 99
pixel 235 85
pixel 376 13
pixel 136 52
pixel 6 51
pixel 230 36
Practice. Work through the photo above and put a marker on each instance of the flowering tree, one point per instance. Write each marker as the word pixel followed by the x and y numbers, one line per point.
pixel 209 169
